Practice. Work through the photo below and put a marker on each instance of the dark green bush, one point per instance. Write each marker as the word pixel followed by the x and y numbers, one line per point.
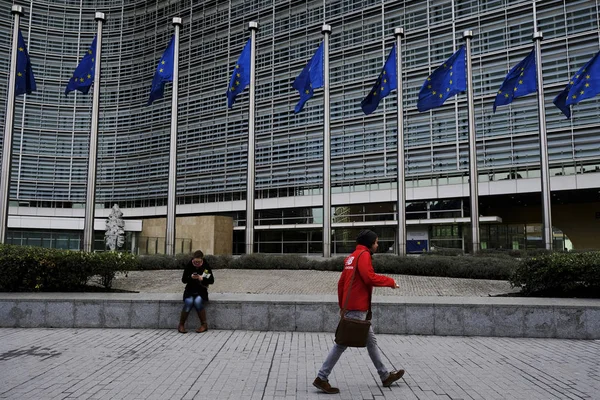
pixel 479 267
pixel 454 267
pixel 24 268
pixel 163 261
pixel 444 252
pixel 559 274
pixel 107 264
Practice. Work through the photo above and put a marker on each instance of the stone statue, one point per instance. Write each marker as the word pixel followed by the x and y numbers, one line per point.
pixel 115 232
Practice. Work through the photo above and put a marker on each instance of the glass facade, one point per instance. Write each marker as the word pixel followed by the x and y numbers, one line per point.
pixel 51 133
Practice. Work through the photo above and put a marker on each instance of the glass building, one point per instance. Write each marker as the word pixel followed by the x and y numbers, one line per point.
pixel 51 132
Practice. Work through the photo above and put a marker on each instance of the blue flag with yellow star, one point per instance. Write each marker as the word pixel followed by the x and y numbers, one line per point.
pixel 385 83
pixel 584 85
pixel 24 81
pixel 83 77
pixel 520 81
pixel 447 80
pixel 164 72
pixel 310 78
pixel 240 78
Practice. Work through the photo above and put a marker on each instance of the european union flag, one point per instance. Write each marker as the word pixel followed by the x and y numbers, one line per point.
pixel 520 81
pixel 584 85
pixel 560 101
pixel 446 81
pixel 164 72
pixel 310 78
pixel 83 77
pixel 24 81
pixel 385 83
pixel 240 78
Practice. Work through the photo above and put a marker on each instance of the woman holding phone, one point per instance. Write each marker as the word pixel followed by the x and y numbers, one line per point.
pixel 197 275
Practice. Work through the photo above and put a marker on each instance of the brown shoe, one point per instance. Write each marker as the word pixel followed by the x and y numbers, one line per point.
pixel 393 377
pixel 202 317
pixel 182 318
pixel 324 386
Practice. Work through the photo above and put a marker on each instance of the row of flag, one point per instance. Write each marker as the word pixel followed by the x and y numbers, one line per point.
pixel 446 81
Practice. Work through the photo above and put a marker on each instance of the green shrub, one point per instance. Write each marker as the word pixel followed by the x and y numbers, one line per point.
pixel 446 266
pixel 107 264
pixel 460 267
pixel 559 274
pixel 24 268
pixel 444 252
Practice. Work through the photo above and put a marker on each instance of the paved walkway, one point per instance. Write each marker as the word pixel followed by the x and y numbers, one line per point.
pixel 220 365
pixel 306 282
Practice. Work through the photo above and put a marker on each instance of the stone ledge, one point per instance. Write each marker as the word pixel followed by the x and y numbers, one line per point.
pixel 452 316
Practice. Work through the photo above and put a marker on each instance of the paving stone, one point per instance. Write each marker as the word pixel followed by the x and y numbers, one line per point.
pixel 88 363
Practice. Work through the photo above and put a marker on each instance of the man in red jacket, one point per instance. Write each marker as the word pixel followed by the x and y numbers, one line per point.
pixel 358 305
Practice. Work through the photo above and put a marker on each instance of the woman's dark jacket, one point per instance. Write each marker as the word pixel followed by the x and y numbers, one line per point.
pixel 194 287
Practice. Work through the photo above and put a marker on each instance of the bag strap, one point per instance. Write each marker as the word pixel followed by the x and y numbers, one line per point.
pixel 351 282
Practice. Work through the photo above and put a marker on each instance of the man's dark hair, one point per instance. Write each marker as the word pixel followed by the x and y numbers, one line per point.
pixel 198 254
pixel 366 238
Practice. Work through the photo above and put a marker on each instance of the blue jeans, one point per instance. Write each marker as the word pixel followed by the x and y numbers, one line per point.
pixel 193 301
pixel 337 350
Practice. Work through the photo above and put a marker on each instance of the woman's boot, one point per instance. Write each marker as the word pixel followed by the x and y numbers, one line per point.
pixel 182 319
pixel 204 326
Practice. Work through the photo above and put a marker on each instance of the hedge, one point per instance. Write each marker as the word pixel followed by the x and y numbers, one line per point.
pixel 560 275
pixel 457 266
pixel 24 268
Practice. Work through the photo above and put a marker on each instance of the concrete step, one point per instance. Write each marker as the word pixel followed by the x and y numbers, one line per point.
pixel 423 315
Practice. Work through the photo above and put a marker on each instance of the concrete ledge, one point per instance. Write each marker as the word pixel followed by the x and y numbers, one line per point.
pixel 452 316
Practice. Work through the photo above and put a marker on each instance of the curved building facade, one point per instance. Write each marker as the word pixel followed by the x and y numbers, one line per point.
pixel 51 132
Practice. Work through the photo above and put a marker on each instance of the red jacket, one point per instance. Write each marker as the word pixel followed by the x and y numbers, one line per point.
pixel 364 280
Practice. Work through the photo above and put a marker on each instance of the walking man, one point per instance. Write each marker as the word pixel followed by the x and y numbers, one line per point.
pixel 358 306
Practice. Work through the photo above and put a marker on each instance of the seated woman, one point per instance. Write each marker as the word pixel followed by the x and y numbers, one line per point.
pixel 197 275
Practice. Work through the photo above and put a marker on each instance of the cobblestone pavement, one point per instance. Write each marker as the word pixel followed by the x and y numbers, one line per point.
pixel 163 364
pixel 305 282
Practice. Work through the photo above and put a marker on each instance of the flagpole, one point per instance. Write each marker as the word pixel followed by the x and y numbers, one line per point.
pixel 253 27
pixel 326 31
pixel 546 199
pixel 172 188
pixel 473 176
pixel 17 12
pixel 401 201
pixel 90 199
